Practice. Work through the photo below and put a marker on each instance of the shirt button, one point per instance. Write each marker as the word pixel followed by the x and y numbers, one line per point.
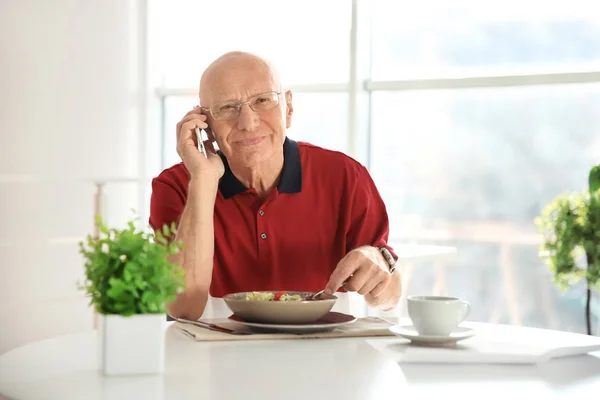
pixel 263 235
pixel 261 213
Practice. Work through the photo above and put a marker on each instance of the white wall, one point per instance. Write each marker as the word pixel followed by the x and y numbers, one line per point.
pixel 71 111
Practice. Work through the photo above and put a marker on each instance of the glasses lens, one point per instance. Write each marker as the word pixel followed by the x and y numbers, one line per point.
pixel 224 110
pixel 265 101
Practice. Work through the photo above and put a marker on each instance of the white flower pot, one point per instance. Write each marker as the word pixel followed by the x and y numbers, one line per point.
pixel 131 345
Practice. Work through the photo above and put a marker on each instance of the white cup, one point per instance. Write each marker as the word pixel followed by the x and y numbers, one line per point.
pixel 437 315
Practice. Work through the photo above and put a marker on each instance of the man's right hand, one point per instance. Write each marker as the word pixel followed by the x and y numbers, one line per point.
pixel 187 147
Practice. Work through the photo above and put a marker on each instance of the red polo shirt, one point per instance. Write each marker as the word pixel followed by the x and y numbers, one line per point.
pixel 325 205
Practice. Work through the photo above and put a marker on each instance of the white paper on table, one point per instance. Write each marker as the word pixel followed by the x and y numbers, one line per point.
pixel 496 345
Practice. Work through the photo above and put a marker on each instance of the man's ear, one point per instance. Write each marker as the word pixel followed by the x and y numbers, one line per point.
pixel 289 109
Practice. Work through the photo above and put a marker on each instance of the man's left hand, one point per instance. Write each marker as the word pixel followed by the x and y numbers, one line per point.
pixel 368 274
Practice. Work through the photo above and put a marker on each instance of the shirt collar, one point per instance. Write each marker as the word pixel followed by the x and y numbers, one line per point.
pixel 291 176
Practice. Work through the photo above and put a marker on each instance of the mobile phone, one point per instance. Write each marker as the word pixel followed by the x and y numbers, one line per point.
pixel 200 142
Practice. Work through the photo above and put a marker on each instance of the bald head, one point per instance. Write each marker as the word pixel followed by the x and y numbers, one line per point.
pixel 236 72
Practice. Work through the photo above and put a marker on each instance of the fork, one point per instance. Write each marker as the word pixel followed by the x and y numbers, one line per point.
pixel 320 292
pixel 212 327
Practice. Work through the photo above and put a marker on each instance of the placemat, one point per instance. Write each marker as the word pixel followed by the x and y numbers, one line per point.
pixel 362 327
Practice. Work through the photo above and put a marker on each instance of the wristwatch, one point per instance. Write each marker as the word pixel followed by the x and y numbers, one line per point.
pixel 389 259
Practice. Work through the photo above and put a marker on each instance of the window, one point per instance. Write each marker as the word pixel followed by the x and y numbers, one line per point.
pixel 476 167
pixel 483 154
pixel 188 35
pixel 471 159
pixel 437 39
pixel 470 116
pixel 321 119
pixel 298 36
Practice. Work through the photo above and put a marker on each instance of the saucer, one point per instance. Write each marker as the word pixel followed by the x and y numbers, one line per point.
pixel 409 332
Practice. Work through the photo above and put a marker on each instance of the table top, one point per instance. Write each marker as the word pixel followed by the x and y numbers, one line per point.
pixel 351 368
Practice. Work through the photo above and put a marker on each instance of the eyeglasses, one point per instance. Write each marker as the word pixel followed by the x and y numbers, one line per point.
pixel 231 109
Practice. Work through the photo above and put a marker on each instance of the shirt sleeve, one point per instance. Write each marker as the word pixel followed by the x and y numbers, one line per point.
pixel 167 202
pixel 369 223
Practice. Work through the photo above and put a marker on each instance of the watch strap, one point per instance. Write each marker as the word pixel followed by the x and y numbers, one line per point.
pixel 389 259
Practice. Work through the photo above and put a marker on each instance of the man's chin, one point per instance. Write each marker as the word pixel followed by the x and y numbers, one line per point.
pixel 253 158
pixel 249 156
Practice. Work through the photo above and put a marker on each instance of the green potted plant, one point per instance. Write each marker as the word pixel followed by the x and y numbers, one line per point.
pixel 129 279
pixel 570 226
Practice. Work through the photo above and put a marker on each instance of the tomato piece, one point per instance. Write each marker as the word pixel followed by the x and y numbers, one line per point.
pixel 278 295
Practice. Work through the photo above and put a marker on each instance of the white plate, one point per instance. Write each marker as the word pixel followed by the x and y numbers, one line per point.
pixel 409 332
pixel 329 322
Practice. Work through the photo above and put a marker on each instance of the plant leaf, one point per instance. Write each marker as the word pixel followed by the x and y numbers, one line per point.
pixel 127 271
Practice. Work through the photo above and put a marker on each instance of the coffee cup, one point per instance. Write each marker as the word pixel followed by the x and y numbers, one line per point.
pixel 437 315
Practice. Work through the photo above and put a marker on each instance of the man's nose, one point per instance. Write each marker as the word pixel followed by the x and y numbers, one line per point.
pixel 248 120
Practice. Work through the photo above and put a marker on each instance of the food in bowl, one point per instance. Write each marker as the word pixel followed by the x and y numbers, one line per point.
pixel 277 296
pixel 279 307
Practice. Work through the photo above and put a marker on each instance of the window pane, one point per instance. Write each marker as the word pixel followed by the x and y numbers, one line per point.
pixel 308 41
pixel 465 37
pixel 473 168
pixel 319 118
pixel 175 108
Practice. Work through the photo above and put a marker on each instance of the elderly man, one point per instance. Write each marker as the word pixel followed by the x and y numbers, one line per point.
pixel 265 212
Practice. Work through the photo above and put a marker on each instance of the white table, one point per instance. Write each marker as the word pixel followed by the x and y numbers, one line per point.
pixel 64 368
